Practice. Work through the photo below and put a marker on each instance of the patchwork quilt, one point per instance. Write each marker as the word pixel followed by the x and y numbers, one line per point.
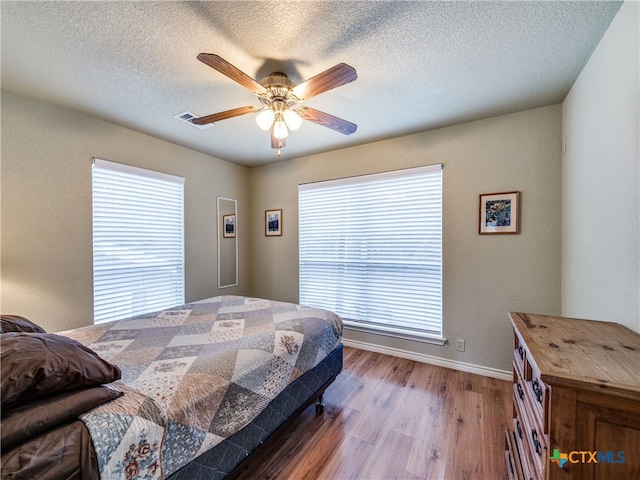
pixel 196 374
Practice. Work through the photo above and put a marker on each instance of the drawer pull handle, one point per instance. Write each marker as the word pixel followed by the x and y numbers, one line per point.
pixel 537 390
pixel 520 391
pixel 519 428
pixel 521 352
pixel 536 444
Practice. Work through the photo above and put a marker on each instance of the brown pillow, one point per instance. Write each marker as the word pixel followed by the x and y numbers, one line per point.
pixel 32 419
pixel 34 365
pixel 15 323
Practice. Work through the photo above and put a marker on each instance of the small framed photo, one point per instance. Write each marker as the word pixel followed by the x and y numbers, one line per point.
pixel 229 226
pixel 273 223
pixel 500 213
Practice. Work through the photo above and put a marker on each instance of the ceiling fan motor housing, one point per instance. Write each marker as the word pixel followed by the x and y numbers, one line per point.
pixel 278 92
pixel 277 80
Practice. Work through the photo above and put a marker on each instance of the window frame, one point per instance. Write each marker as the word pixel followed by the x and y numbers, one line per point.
pixel 138 246
pixel 428 334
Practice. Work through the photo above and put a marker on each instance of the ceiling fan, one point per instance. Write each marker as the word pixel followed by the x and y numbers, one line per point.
pixel 281 111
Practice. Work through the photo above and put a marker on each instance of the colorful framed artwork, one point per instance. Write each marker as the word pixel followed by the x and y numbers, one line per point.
pixel 500 213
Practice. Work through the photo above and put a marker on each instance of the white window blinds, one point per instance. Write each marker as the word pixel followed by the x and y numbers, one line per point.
pixel 138 241
pixel 371 250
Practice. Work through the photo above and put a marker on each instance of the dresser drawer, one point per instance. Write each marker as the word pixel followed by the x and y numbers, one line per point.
pixel 519 354
pixel 539 392
pixel 512 457
pixel 520 388
pixel 528 430
pixel 525 401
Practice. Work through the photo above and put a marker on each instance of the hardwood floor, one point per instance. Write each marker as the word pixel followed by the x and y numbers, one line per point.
pixel 391 418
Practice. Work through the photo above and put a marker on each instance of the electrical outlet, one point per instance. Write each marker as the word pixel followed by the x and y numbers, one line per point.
pixel 460 345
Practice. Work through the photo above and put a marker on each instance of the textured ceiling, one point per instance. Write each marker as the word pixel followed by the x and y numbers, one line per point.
pixel 421 64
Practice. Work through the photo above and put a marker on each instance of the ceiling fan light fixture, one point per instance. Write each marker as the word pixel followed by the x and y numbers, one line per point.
pixel 292 119
pixel 280 128
pixel 280 97
pixel 265 118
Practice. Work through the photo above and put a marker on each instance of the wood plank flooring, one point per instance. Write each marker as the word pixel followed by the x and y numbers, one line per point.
pixel 391 418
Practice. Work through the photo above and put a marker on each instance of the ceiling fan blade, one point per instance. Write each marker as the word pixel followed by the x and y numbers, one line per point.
pixel 325 81
pixel 277 142
pixel 326 120
pixel 218 63
pixel 216 117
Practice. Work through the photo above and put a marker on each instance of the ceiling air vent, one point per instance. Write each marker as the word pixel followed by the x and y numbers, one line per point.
pixel 187 117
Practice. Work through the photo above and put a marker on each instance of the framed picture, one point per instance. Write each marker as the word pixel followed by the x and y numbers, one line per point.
pixel 500 213
pixel 229 226
pixel 273 223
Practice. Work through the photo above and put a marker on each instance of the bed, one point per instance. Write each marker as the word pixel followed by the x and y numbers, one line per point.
pixel 196 391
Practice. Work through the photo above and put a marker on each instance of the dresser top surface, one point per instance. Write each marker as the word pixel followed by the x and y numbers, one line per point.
pixel 574 352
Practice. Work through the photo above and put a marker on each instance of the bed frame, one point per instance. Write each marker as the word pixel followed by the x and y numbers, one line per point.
pixel 247 447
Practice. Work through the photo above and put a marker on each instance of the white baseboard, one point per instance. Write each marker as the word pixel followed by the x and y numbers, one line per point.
pixel 440 362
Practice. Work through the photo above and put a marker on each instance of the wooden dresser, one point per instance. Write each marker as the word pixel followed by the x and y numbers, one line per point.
pixel 576 399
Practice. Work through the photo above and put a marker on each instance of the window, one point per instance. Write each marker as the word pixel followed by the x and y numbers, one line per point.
pixel 371 250
pixel 138 241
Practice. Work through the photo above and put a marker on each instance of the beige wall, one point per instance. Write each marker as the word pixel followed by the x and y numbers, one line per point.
pixel 601 180
pixel 484 276
pixel 46 217
pixel 46 208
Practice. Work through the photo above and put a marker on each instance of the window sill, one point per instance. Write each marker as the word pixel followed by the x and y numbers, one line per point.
pixel 395 333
